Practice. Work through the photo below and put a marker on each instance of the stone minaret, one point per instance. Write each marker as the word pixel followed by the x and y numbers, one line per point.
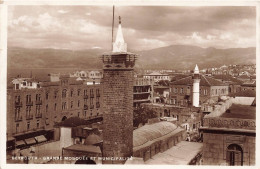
pixel 196 87
pixel 118 80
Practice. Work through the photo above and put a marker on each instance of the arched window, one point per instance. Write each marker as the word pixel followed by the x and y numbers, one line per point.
pixel 64 93
pixel 234 155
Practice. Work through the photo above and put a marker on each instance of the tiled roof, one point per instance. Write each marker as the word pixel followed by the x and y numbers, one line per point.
pixel 179 76
pixel 228 78
pixel 205 81
pixel 244 93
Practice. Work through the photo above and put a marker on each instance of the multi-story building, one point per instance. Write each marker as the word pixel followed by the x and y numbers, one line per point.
pixel 143 91
pixel 34 111
pixel 156 76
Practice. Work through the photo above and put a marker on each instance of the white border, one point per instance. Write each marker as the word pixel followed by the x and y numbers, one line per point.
pixel 3 67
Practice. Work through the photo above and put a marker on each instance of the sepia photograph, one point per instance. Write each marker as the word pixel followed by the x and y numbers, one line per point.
pixel 131 84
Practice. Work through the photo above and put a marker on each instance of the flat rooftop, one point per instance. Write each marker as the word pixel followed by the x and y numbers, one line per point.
pixel 240 111
pixel 181 154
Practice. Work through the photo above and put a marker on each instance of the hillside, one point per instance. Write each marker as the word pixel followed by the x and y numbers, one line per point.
pixel 170 57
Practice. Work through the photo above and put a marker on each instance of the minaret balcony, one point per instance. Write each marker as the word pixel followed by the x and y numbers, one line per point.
pixel 119 60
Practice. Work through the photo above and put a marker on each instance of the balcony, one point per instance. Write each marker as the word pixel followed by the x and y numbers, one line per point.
pixel 98 94
pixel 29 103
pixel 91 106
pixel 18 104
pixel 38 115
pixel 85 107
pixel 85 96
pixel 38 102
pixel 92 95
pixel 18 118
pixel 29 117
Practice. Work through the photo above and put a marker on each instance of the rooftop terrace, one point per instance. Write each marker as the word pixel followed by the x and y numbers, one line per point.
pixel 240 111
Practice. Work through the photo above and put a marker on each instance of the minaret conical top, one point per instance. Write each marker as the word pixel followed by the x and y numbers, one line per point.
pixel 119 45
pixel 196 70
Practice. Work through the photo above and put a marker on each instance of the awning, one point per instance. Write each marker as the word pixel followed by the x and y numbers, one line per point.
pixel 10 138
pixel 30 141
pixel 40 138
pixel 20 143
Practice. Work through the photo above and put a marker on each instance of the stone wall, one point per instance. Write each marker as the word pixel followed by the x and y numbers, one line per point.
pixel 215 148
pixel 118 114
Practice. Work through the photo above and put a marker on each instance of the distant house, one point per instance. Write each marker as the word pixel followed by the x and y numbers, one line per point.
pixel 233 83
pixel 156 76
pixel 250 84
pixel 181 90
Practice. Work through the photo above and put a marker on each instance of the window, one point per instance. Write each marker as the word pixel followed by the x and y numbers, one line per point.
pixel 47 108
pixel 17 114
pixel 64 93
pixel 97 93
pixel 234 155
pixel 85 92
pixel 55 106
pixel 71 104
pixel 28 99
pixel 78 92
pixel 55 94
pixel 47 96
pixel 38 124
pixel 176 90
pixel 78 103
pixel 181 90
pixel 28 125
pixel 17 128
pixel 205 92
pixel 71 93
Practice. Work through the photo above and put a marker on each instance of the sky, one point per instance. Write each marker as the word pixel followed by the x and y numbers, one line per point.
pixel 144 27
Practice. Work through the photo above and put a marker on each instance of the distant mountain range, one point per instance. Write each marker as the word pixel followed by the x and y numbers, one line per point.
pixel 170 57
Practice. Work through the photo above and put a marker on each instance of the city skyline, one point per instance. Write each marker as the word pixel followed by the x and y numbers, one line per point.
pixel 60 26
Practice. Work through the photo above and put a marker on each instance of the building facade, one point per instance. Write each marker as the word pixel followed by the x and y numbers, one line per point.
pixel 31 112
pixel 143 91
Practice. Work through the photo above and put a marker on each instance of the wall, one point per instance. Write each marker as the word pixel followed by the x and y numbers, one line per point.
pixel 118 114
pixel 65 137
pixel 215 147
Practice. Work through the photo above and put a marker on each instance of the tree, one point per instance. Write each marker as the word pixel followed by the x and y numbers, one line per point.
pixel 141 115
